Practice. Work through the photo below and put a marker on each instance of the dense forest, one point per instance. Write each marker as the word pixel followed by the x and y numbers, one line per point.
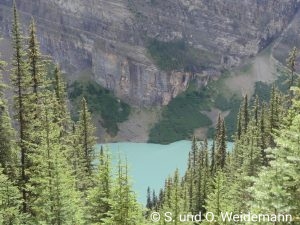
pixel 51 174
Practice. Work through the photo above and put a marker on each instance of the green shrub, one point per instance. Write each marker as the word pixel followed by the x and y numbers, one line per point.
pixel 231 119
pixel 180 118
pixel 100 101
pixel 263 90
pixel 233 105
pixel 178 55
pixel 222 103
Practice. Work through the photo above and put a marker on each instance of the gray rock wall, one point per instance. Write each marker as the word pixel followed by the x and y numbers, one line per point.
pixel 109 37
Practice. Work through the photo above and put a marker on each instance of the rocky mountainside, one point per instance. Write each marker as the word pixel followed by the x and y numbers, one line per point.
pixel 111 37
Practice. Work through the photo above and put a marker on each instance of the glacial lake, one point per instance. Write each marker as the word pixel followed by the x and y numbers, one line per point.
pixel 150 164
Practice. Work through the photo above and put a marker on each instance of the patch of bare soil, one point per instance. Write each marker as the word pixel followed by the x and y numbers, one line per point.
pixel 213 115
pixel 136 128
pixel 263 69
pixel 201 133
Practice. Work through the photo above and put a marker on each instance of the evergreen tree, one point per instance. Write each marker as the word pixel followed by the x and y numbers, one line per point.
pixel 238 196
pixel 291 65
pixel 252 158
pixel 272 110
pixel 239 126
pixel 175 203
pixel 189 183
pixel 84 150
pixel 99 197
pixel 212 158
pixel 21 82
pixel 194 153
pixel 206 173
pixel 202 177
pixel 124 207
pixel 87 140
pixel 8 159
pixel 191 173
pixel 160 198
pixel 185 196
pixel 218 127
pixel 276 114
pixel 149 203
pixel 245 114
pixel 262 131
pixel 167 192
pixel 256 110
pixel 218 199
pixel 276 190
pixel 62 114
pixel 218 140
pixel 39 83
pixel 176 198
pixel 54 199
pixel 221 146
pixel 9 201
pixel 36 64
pixel 154 201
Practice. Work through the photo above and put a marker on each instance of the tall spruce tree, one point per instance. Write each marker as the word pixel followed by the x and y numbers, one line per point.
pixel 276 114
pixel 245 114
pixel 239 126
pixel 206 173
pixel 272 110
pixel 189 184
pixel 9 201
pixel 149 203
pixel 8 159
pixel 86 134
pixel 252 157
pixel 217 201
pixel 62 112
pixel 291 65
pixel 213 159
pixel 154 200
pixel 54 197
pixel 276 190
pixel 175 204
pixel 21 82
pixel 194 153
pixel 201 178
pixel 36 64
pixel 191 173
pixel 84 150
pixel 256 110
pixel 263 135
pixel 221 145
pixel 124 207
pixel 99 197
pixel 176 199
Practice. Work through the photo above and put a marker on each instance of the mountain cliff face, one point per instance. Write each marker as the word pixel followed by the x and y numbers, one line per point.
pixel 111 37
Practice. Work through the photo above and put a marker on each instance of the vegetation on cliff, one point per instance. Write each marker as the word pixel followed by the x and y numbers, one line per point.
pixel 100 102
pixel 178 55
pixel 181 117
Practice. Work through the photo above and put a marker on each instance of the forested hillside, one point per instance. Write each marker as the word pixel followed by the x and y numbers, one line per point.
pixel 258 181
pixel 50 172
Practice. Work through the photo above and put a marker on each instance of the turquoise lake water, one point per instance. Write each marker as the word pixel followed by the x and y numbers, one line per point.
pixel 150 164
